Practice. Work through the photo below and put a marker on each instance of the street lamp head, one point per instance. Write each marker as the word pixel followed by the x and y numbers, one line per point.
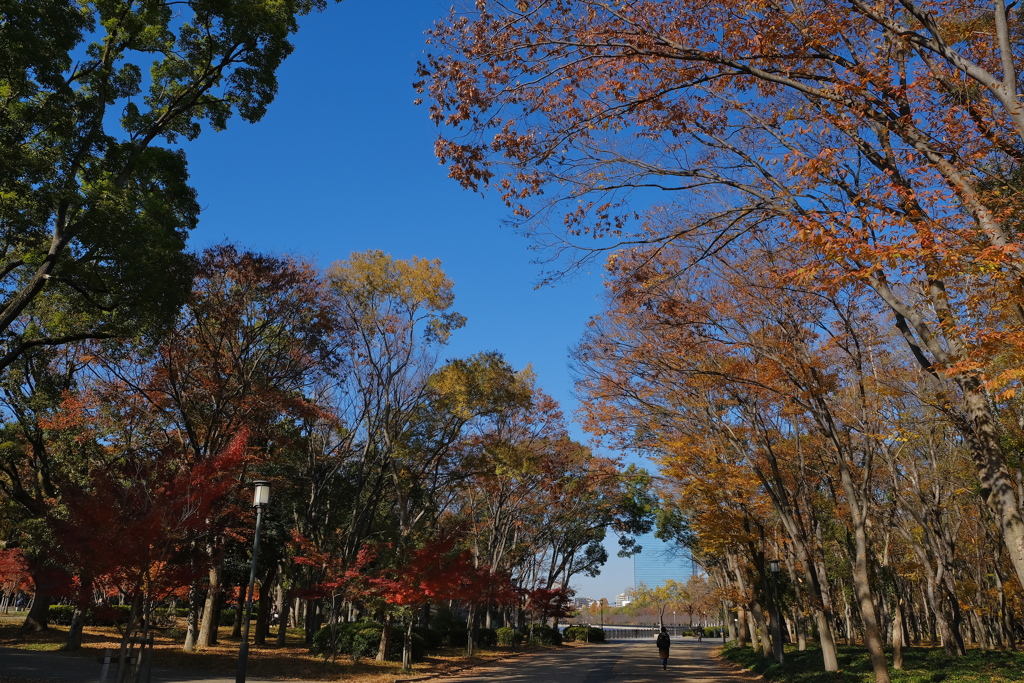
pixel 774 565
pixel 262 494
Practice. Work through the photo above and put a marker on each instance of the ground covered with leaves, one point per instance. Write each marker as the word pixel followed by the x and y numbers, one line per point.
pixel 291 661
pixel 920 665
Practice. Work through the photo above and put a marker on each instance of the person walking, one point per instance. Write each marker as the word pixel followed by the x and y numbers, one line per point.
pixel 664 643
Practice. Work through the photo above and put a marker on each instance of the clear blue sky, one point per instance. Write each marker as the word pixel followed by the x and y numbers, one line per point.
pixel 343 162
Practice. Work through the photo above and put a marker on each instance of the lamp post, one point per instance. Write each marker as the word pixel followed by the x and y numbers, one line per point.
pixel 260 499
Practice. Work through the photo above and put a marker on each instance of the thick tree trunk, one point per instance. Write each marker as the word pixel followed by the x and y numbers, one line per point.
pixel 407 647
pixel 897 636
pixel 73 641
pixel 385 639
pixel 192 629
pixel 208 626
pixel 997 487
pixel 861 583
pixel 741 628
pixel 263 613
pixel 38 618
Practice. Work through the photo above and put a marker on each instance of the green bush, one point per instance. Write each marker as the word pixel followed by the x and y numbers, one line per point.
pixel 542 634
pixel 109 615
pixel 432 638
pixel 176 634
pixel 508 636
pixel 362 639
pixel 61 615
pixel 487 637
pixel 457 636
pixel 227 615
pixel 444 619
pixel 105 615
pixel 580 634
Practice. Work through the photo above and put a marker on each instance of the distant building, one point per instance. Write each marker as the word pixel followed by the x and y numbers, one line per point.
pixel 658 562
pixel 622 599
pixel 582 603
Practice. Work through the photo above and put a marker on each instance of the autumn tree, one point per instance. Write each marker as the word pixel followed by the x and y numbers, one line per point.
pixel 33 467
pixel 669 596
pixel 884 141
pixel 240 358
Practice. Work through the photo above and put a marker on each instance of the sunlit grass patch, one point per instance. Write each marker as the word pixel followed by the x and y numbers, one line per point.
pixel 920 665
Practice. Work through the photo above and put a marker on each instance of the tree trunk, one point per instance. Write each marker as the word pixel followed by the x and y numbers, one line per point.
pixel 208 626
pixel 997 487
pixel 192 629
pixel 862 588
pixel 385 639
pixel 73 642
pixel 471 631
pixel 263 613
pixel 38 618
pixel 897 636
pixel 283 603
pixel 407 647
pixel 741 628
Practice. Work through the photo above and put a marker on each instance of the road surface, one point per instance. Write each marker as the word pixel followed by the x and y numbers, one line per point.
pixel 623 661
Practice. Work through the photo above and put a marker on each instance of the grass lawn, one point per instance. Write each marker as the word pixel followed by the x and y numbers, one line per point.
pixel 291 661
pixel 920 665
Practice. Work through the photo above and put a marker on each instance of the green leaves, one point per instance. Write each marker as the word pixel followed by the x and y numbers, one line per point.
pixel 93 216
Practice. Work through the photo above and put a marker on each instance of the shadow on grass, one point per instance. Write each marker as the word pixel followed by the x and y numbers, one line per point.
pixel 290 661
pixel 920 665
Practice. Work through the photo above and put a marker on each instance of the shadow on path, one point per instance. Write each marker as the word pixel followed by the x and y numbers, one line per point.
pixel 623 661
pixel 56 666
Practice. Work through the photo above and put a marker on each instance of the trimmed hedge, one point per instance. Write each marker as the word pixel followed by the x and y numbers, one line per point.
pixel 362 639
pixel 580 634
pixel 544 635
pixel 107 615
pixel 487 637
pixel 508 636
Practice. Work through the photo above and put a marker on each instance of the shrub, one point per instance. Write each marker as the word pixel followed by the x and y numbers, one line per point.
pixel 508 636
pixel 457 636
pixel 176 634
pixel 109 615
pixel 362 639
pixel 432 638
pixel 542 634
pixel 105 615
pixel 61 615
pixel 443 619
pixel 487 637
pixel 575 633
pixel 227 615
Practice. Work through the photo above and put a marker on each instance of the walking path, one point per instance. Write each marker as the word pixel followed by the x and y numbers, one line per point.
pixel 622 661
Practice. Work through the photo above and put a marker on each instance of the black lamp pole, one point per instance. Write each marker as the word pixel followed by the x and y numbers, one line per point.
pixel 260 500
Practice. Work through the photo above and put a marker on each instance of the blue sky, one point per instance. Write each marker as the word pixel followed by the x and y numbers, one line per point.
pixel 343 162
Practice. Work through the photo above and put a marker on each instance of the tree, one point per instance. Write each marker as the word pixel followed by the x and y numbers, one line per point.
pixel 669 596
pixel 884 141
pixel 95 215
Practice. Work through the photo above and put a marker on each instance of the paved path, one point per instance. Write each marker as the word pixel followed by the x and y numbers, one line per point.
pixel 56 666
pixel 623 661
